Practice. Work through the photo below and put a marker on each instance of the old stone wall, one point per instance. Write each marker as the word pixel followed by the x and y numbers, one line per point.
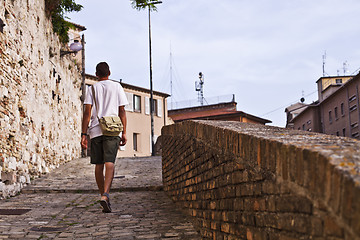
pixel 40 107
pixel 249 181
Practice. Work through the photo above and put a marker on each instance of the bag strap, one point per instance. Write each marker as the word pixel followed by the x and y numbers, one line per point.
pixel 93 94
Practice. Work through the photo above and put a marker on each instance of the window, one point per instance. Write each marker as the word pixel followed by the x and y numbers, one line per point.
pixel 303 127
pixel 130 99
pixel 342 109
pixel 336 113
pixel 155 107
pixel 353 108
pixel 159 108
pixel 337 133
pixel 135 141
pixel 338 81
pixel 147 105
pixel 355 135
pixel 330 117
pixel 352 98
pixel 344 132
pixel 309 122
pixel 137 103
pixel 354 125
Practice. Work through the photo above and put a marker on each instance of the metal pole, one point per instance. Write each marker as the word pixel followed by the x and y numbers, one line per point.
pixel 151 93
pixel 83 86
pixel 83 92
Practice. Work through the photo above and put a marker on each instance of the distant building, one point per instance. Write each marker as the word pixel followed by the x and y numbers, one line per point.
pixel 292 111
pixel 337 112
pixel 138 118
pixel 221 111
pixel 74 36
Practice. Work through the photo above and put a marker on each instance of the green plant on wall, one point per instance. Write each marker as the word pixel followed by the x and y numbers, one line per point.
pixel 56 9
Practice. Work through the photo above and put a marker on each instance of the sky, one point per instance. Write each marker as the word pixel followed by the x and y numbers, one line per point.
pixel 268 53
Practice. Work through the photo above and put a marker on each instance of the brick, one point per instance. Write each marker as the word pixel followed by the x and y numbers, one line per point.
pixel 299 168
pixel 284 237
pixel 294 223
pixel 225 227
pixel 348 201
pixel 294 204
pixel 270 203
pixel 355 222
pixel 238 204
pixel 248 219
pixel 336 183
pixel 215 226
pixel 316 227
pixel 331 228
pixel 249 234
pixel 320 173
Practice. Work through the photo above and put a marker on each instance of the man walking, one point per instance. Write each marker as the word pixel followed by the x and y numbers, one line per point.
pixel 111 100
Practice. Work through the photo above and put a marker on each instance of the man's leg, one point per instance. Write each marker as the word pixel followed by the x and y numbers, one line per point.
pixel 109 176
pixel 99 176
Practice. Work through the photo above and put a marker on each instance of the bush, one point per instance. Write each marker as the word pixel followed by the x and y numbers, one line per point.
pixel 56 9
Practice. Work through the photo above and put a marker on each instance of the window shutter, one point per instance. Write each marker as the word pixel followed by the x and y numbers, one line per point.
pixel 159 108
pixel 147 105
pixel 155 139
pixel 130 98
pixel 150 145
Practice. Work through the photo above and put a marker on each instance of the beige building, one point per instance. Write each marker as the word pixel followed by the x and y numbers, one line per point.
pixel 138 118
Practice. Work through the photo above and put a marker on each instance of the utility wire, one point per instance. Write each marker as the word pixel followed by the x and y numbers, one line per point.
pixel 282 107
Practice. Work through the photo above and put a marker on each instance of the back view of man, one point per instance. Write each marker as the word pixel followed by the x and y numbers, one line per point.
pixel 110 101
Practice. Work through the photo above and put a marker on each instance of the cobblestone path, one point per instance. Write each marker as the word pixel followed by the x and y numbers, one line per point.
pixel 64 205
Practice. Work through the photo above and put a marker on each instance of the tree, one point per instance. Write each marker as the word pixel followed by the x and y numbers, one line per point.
pixel 142 4
pixel 56 9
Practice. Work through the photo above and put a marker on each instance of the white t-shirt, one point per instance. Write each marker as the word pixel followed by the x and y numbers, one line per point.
pixel 109 96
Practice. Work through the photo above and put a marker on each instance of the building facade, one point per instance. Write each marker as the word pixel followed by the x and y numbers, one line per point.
pixel 337 111
pixel 139 119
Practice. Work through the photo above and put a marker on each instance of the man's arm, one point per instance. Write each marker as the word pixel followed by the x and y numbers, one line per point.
pixel 122 115
pixel 85 124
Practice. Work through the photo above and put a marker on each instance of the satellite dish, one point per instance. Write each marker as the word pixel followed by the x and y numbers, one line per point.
pixel 302 99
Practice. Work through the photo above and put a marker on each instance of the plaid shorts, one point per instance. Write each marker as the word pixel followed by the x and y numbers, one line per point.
pixel 104 149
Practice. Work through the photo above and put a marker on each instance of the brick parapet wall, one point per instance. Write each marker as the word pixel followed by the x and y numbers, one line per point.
pixel 40 107
pixel 249 181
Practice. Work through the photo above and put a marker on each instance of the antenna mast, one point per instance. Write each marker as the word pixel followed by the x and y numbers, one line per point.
pixel 324 61
pixel 345 67
pixel 171 81
pixel 199 87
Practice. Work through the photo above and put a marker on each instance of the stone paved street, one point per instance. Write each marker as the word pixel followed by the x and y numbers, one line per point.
pixel 64 205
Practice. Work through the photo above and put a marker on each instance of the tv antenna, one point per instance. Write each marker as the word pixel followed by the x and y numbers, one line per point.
pixel 199 87
pixel 171 80
pixel 345 64
pixel 302 99
pixel 323 65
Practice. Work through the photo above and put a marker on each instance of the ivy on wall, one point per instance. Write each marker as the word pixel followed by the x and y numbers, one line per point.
pixel 56 9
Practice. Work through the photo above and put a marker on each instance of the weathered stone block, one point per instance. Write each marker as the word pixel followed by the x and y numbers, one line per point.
pixel 8 177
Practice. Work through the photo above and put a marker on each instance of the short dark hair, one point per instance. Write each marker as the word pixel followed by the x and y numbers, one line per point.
pixel 102 69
